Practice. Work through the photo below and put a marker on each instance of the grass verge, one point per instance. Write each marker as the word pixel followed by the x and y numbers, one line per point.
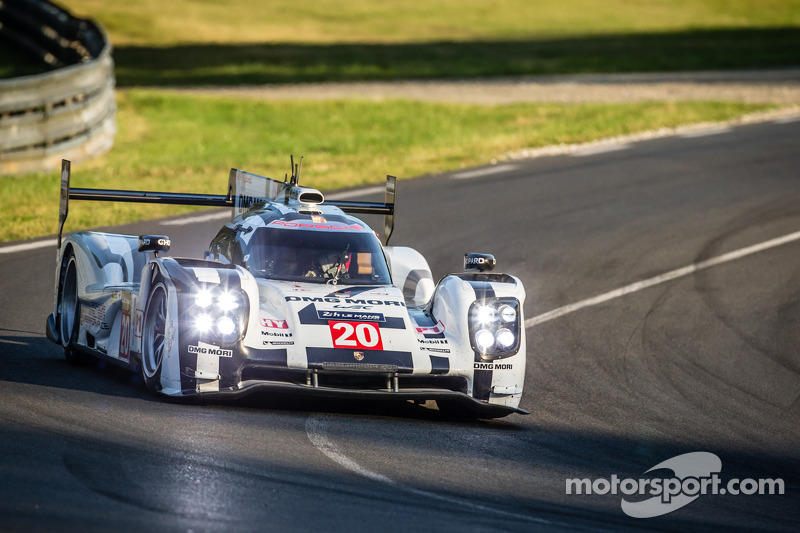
pixel 186 42
pixel 188 143
pixel 179 22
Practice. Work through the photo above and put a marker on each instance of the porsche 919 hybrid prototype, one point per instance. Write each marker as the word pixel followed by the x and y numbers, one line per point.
pixel 293 295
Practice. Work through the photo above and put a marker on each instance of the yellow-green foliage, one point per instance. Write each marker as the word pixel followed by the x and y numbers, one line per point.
pixel 159 22
pixel 185 42
pixel 170 142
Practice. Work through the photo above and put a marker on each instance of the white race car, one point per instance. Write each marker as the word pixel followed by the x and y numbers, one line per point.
pixel 292 295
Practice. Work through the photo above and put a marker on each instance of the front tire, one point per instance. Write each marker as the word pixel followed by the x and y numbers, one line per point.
pixel 154 336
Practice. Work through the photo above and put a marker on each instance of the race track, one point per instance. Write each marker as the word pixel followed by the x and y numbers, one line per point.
pixel 703 359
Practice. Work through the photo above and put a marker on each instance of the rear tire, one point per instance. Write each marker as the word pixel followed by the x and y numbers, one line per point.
pixel 154 336
pixel 69 313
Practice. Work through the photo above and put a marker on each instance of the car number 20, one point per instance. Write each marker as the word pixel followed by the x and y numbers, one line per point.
pixel 356 335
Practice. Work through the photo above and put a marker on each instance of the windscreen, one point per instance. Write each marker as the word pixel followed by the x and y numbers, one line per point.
pixel 346 257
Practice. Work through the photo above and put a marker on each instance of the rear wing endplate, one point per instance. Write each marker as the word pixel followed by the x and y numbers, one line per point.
pixel 244 189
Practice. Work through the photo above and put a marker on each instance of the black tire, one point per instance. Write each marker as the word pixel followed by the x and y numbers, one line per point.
pixel 154 336
pixel 69 312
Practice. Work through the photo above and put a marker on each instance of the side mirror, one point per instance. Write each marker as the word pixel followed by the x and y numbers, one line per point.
pixel 154 243
pixel 479 262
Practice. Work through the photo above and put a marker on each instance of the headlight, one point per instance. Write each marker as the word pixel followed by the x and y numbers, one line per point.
pixel 508 314
pixel 227 301
pixel 225 326
pixel 505 339
pixel 217 299
pixel 203 323
pixel 203 299
pixel 485 314
pixel 227 331
pixel 484 339
pixel 218 314
pixel 494 327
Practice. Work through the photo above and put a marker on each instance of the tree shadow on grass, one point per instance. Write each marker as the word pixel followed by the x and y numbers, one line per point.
pixel 215 64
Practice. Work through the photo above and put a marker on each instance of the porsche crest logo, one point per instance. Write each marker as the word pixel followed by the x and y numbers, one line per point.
pixel 359 356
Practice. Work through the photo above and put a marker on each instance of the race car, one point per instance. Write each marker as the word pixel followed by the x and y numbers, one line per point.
pixel 294 294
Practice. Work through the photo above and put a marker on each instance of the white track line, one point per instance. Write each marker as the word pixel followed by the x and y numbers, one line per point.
pixel 316 429
pixel 346 195
pixel 197 219
pixel 705 133
pixel 663 278
pixel 603 149
pixel 481 172
pixel 317 434
pixel 28 246
pixel 787 120
pixel 562 149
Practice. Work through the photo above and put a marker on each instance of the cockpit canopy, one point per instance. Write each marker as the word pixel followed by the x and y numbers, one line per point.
pixel 286 251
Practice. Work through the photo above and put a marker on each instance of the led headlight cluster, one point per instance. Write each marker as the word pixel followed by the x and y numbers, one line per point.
pixel 494 327
pixel 217 312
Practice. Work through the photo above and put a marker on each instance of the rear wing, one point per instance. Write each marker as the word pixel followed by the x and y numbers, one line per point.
pixel 244 190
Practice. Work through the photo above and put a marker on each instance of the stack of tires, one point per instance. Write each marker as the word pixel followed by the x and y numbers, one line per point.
pixel 67 112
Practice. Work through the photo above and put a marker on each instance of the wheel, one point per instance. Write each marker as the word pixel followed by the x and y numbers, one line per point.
pixel 154 336
pixel 68 315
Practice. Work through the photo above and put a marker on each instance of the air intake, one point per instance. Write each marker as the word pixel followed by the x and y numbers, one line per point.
pixel 307 196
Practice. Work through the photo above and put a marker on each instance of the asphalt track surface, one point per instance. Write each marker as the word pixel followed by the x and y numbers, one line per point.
pixel 706 361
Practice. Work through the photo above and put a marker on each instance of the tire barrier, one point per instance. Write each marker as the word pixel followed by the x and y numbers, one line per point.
pixel 65 113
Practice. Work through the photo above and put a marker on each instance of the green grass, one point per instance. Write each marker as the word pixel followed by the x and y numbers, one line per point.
pixel 186 42
pixel 180 22
pixel 186 143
